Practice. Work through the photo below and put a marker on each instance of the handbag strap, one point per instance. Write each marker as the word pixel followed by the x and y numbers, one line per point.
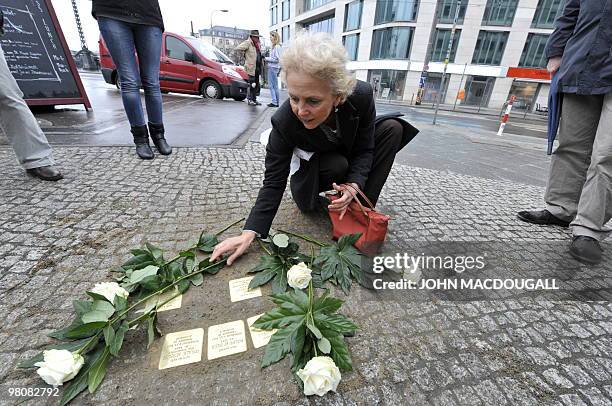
pixel 365 198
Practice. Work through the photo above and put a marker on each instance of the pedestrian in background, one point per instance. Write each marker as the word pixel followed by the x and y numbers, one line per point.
pixel 252 64
pixel 33 151
pixel 273 64
pixel 130 28
pixel 579 189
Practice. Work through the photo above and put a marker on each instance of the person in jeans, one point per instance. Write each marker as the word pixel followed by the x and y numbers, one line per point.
pixel 273 62
pixel 130 28
pixel 252 65
pixel 31 147
pixel 579 189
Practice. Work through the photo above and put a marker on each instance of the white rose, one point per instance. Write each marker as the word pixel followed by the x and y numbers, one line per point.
pixel 59 366
pixel 299 276
pixel 109 290
pixel 320 375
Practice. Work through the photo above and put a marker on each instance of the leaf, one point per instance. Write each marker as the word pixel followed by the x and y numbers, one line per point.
pixel 79 383
pixel 85 330
pixel 151 283
pixel 81 306
pixel 140 274
pixel 339 350
pixel 292 309
pixel 96 296
pixel 279 345
pixel 262 278
pixel 281 240
pixel 326 304
pixel 340 262
pixel 120 303
pixel 139 251
pixel 118 341
pixel 197 279
pixel 207 242
pixel 137 261
pixel 155 251
pixel 101 311
pixel 314 329
pixel 298 340
pixel 324 345
pixel 70 346
pixel 335 322
pixel 275 265
pixel 183 286
pixel 151 330
pixel 109 335
pixel 98 371
pixel 214 266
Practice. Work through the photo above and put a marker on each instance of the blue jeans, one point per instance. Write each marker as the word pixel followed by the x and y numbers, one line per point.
pixel 122 39
pixel 273 82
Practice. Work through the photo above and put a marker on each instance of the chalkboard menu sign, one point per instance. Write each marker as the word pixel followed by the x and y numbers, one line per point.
pixel 38 56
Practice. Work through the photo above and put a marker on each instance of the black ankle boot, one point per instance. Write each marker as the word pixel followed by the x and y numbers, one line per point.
pixel 157 135
pixel 141 139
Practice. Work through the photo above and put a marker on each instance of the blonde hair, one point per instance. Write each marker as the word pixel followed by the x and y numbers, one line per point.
pixel 319 56
pixel 275 37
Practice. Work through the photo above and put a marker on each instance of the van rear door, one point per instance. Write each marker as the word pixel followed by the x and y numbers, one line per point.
pixel 177 71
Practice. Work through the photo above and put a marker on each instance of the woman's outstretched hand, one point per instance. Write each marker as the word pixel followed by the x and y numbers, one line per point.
pixel 234 245
pixel 348 194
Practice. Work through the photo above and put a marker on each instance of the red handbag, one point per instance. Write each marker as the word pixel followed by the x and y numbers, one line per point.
pixel 359 219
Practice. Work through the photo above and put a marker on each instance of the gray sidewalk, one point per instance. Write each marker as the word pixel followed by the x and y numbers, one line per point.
pixel 57 240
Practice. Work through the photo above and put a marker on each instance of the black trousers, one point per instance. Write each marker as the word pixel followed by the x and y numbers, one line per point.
pixel 253 92
pixel 318 174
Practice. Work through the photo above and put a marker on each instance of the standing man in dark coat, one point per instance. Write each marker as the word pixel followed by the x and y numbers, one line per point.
pixel 579 190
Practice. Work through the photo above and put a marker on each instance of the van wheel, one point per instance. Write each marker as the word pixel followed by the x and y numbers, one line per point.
pixel 210 89
pixel 239 98
pixel 117 82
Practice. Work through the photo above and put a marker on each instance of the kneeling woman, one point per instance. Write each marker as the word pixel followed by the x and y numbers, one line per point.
pixel 331 118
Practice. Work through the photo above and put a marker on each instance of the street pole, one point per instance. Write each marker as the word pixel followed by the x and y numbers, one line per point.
pixel 461 84
pixel 428 53
pixel 448 54
pixel 212 33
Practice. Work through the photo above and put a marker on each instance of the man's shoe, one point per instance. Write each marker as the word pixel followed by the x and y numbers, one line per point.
pixel 541 217
pixel 157 135
pixel 586 250
pixel 50 173
pixel 272 105
pixel 141 139
pixel 254 103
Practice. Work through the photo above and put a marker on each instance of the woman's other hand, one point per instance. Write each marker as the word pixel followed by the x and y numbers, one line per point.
pixel 234 245
pixel 348 194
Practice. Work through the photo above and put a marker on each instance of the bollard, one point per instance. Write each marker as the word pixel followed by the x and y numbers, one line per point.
pixel 506 115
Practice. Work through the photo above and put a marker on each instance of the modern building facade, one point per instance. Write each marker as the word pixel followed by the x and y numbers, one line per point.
pixel 224 38
pixel 498 48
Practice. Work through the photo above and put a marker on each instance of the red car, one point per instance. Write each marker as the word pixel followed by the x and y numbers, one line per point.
pixel 189 65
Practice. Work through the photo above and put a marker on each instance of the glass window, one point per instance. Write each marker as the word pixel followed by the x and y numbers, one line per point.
pixel 533 54
pixel 274 15
pixel 286 9
pixel 441 41
pixel 351 43
pixel 525 93
pixel 207 50
pixel 352 15
pixel 392 43
pixel 310 4
pixel 325 24
pixel 490 47
pixel 447 11
pixel 285 33
pixel 273 2
pixel 388 84
pixel 546 13
pixel 395 10
pixel 176 49
pixel 478 90
pixel 499 12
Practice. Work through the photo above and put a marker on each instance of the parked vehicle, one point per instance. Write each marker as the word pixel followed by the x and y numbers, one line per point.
pixel 189 65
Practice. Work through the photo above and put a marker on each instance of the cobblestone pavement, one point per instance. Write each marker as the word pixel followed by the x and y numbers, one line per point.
pixel 56 240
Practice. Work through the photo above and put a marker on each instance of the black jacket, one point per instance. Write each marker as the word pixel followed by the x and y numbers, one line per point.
pixel 583 37
pixel 356 120
pixel 145 12
pixel 1 22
